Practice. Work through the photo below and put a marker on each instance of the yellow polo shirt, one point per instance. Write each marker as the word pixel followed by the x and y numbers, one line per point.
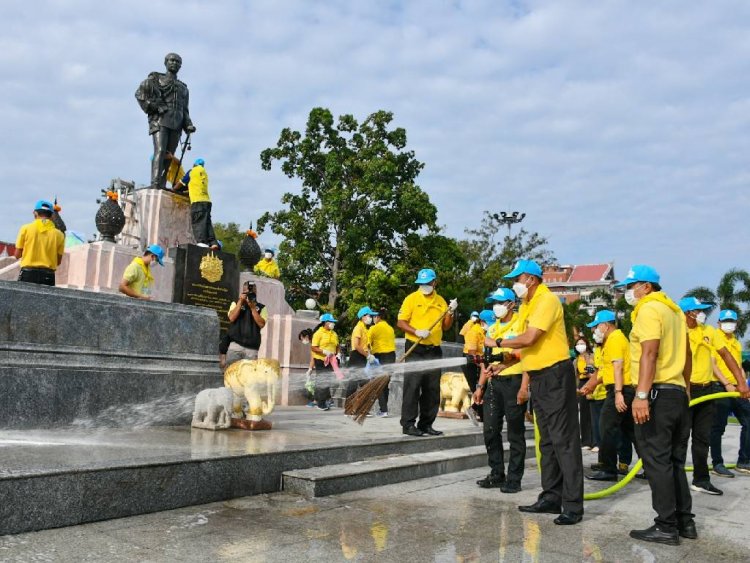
pixel 474 339
pixel 382 338
pixel 600 392
pixel 42 244
pixel 359 334
pixel 421 312
pixel 498 331
pixel 616 349
pixel 581 365
pixel 465 332
pixel 545 313
pixel 198 185
pixel 731 343
pixel 326 340
pixel 657 321
pixel 268 267
pixel 137 278
pixel 701 346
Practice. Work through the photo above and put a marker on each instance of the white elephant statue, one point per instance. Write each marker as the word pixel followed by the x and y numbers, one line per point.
pixel 254 381
pixel 213 409
pixel 455 395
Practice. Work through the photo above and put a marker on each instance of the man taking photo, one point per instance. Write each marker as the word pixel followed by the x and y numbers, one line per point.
pixel 247 318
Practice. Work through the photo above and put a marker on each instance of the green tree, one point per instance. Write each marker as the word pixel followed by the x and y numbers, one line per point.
pixel 230 236
pixel 357 204
pixel 733 292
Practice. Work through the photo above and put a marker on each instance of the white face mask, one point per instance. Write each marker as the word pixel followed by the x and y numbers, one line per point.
pixel 630 297
pixel 330 326
pixel 367 319
pixel 499 310
pixel 580 348
pixel 426 289
pixel 520 289
pixel 598 336
pixel 268 255
pixel 700 318
pixel 306 341
pixel 728 327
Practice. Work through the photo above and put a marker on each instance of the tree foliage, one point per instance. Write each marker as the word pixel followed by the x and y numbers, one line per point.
pixel 357 205
pixel 733 292
pixel 230 236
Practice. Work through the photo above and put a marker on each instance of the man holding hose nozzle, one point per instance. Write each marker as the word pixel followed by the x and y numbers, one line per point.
pixel 423 317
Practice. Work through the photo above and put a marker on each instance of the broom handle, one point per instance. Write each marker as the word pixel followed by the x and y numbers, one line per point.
pixel 411 348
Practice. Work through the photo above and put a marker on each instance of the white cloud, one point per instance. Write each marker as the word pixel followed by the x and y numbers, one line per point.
pixel 620 130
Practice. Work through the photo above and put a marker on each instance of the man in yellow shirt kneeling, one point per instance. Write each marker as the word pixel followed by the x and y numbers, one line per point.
pixel 137 280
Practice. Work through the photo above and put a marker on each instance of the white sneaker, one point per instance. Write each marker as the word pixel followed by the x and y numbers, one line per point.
pixel 586 448
pixel 381 414
pixel 595 449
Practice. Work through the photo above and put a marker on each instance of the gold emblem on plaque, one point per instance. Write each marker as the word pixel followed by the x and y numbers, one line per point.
pixel 212 268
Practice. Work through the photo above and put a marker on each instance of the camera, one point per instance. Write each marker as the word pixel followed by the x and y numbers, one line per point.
pixel 248 290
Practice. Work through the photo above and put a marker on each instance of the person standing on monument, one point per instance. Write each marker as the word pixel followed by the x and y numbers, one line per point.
pixel 164 99
pixel 423 317
pixel 40 246
pixel 137 280
pixel 267 266
pixel 246 317
pixel 196 181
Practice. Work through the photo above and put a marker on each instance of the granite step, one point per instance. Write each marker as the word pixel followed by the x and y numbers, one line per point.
pixel 384 470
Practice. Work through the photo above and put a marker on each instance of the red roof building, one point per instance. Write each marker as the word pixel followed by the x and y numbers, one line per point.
pixel 574 282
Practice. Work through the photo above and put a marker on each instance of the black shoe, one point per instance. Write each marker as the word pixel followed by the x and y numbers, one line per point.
pixel 656 535
pixel 602 476
pixel 597 466
pixel 491 481
pixel 707 488
pixel 541 507
pixel 641 475
pixel 568 519
pixel 688 531
pixel 511 487
pixel 431 431
pixel 413 431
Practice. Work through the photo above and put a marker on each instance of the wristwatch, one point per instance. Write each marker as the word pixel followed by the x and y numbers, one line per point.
pixel 641 395
pixel 618 390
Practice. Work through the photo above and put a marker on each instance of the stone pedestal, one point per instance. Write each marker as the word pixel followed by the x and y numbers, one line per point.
pixel 156 217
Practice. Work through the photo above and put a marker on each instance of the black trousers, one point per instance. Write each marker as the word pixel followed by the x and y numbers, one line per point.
pixel 323 379
pixel 385 358
pixel 41 276
pixel 471 373
pixel 421 389
pixel 701 421
pixel 499 403
pixel 554 392
pixel 722 408
pixel 662 444
pixel 203 229
pixel 613 425
pixel 165 140
pixel 584 410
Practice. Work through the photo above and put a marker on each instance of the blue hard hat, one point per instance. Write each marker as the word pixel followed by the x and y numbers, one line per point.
pixel 500 295
pixel 474 314
pixel 639 273
pixel 199 162
pixel 157 251
pixel 603 316
pixel 692 304
pixel 365 311
pixel 728 315
pixel 328 318
pixel 525 267
pixel 487 317
pixel 425 276
pixel 44 205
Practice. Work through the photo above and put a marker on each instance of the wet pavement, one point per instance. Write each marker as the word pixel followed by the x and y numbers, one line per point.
pixel 445 518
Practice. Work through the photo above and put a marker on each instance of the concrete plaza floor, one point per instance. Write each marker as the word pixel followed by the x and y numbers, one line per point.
pixel 445 518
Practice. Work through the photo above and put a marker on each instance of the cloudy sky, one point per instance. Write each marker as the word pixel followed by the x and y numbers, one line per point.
pixel 619 127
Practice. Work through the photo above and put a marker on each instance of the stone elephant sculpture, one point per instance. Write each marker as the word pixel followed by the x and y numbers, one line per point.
pixel 253 381
pixel 455 395
pixel 213 409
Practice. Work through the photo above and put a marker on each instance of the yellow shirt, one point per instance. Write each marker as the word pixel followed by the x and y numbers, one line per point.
pixel 730 342
pixel 138 276
pixel 263 311
pixel 268 267
pixel 326 340
pixel 701 346
pixel 545 313
pixel 474 339
pixel 42 244
pixel 360 336
pixel 581 365
pixel 657 321
pixel 465 333
pixel 198 185
pixel 421 312
pixel 616 349
pixel 600 392
pixel 382 338
pixel 498 331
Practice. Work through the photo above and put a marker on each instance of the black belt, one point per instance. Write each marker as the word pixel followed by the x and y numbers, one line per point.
pixel 668 387
pixel 700 385
pixel 45 270
pixel 536 372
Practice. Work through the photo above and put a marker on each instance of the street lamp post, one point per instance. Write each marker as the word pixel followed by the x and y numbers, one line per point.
pixel 508 218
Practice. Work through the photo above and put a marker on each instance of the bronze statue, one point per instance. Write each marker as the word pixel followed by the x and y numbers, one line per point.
pixel 164 99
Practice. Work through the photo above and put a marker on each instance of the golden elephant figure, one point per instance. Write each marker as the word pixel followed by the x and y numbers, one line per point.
pixel 254 382
pixel 455 395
